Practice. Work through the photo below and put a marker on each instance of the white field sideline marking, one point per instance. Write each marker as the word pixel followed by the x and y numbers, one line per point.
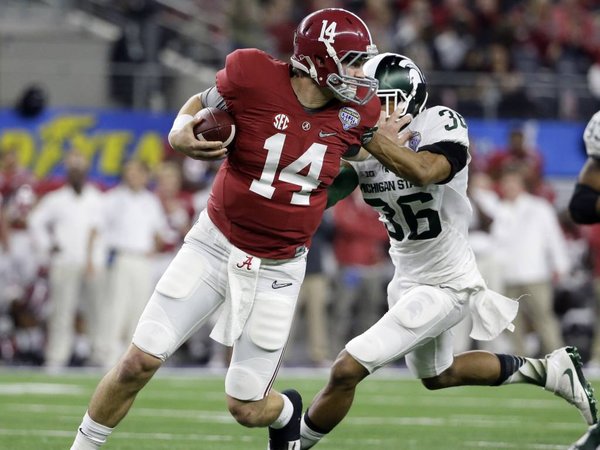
pixel 456 422
pixel 130 435
pixel 495 445
pixel 190 414
pixel 200 373
pixel 507 420
pixel 206 416
pixel 40 388
pixel 453 402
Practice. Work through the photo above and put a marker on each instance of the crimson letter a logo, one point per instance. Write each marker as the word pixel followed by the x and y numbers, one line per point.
pixel 247 263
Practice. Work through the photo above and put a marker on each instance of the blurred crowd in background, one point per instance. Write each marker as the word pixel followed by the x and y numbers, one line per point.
pixel 79 260
pixel 485 58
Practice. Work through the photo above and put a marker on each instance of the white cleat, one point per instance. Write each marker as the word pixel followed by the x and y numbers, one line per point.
pixel 565 378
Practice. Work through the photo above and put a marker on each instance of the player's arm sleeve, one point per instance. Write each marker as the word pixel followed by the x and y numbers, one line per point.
pixel 343 185
pixel 356 152
pixel 583 205
pixel 367 136
pixel 212 98
pixel 455 152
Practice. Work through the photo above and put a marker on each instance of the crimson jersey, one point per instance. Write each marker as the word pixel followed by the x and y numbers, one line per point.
pixel 269 195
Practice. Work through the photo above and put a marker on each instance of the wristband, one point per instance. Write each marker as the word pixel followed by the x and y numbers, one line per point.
pixel 180 121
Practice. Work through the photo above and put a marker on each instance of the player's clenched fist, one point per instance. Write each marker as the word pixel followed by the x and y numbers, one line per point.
pixel 591 136
pixel 182 139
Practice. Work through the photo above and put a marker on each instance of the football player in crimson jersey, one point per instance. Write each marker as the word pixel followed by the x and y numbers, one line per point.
pixel 585 209
pixel 246 254
pixel 436 284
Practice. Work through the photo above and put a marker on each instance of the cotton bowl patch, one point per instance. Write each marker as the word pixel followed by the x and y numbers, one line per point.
pixel 349 117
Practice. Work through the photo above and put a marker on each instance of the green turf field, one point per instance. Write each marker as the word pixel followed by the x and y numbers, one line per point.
pixel 187 411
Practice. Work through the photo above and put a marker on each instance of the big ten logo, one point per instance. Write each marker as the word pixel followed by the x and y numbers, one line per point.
pixel 42 149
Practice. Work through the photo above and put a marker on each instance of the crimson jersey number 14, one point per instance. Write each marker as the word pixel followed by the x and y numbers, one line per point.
pixel 312 157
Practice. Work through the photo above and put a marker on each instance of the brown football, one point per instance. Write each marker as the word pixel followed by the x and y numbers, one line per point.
pixel 218 125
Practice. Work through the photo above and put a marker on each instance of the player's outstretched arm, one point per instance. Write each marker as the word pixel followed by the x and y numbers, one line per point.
pixel 389 147
pixel 182 139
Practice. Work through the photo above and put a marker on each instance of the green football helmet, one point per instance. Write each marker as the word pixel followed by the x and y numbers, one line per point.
pixel 401 83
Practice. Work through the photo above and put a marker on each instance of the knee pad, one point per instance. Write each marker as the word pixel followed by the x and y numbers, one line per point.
pixel 366 349
pixel 421 305
pixel 244 381
pixel 270 321
pixel 151 335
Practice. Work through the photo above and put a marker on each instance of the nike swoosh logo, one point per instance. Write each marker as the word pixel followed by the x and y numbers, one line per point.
pixel 323 134
pixel 569 373
pixel 277 285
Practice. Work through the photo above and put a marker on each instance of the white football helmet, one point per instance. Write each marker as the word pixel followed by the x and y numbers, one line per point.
pixel 591 136
pixel 401 83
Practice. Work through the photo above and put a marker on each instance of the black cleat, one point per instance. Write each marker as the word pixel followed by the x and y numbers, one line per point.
pixel 288 437
pixel 589 441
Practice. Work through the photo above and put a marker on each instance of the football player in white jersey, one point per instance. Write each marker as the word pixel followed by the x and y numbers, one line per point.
pixel 585 209
pixel 420 193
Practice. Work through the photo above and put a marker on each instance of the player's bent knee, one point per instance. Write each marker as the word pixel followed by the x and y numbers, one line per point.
pixel 136 366
pixel 153 334
pixel 346 372
pixel 267 331
pixel 367 348
pixel 244 413
pixel 154 338
pixel 443 380
pixel 432 383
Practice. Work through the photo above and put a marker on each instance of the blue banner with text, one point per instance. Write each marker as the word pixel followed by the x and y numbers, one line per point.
pixel 109 137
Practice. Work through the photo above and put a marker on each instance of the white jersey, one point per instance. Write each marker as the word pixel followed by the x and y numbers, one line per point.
pixel 427 225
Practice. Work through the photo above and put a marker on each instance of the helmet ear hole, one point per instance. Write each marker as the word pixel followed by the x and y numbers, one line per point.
pixel 319 62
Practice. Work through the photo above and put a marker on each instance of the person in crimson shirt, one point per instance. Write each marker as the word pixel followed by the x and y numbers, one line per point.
pixel 360 245
pixel 517 153
pixel 246 254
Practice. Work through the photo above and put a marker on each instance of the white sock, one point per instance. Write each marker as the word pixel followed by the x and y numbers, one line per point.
pixel 90 435
pixel 308 437
pixel 286 414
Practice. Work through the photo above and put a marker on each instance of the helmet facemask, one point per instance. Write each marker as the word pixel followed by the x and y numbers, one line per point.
pixel 395 99
pixel 346 87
